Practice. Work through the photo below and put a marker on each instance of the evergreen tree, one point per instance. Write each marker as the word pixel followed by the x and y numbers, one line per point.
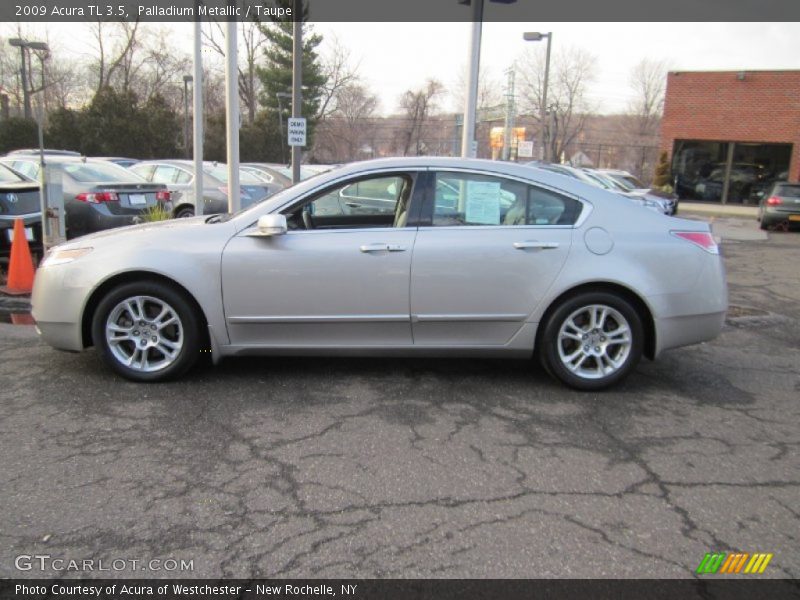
pixel 16 133
pixel 65 130
pixel 163 128
pixel 276 76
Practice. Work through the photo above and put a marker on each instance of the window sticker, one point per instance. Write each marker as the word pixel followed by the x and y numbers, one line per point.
pixel 483 202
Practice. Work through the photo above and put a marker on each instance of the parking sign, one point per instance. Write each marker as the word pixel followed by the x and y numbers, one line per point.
pixel 297 132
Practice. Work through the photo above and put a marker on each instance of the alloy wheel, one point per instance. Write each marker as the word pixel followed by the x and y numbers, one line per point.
pixel 144 333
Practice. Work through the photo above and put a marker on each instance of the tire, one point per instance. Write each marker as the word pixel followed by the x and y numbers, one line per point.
pixel 586 357
pixel 184 212
pixel 165 348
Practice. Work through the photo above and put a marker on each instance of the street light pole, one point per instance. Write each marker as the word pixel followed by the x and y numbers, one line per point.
pixel 280 95
pixel 186 148
pixel 197 116
pixel 297 80
pixel 534 36
pixel 468 149
pixel 232 116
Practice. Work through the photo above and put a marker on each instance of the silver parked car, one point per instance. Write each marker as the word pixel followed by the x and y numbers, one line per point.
pixel 477 258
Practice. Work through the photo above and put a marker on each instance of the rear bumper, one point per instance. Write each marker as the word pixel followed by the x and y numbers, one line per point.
pixel 675 332
pixel 83 218
pixel 693 316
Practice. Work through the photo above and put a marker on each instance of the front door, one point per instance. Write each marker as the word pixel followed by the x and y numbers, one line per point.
pixel 334 279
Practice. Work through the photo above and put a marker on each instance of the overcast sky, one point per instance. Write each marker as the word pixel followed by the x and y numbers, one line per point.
pixel 394 57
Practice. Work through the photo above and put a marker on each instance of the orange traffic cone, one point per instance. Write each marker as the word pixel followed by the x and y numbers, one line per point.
pixel 20 266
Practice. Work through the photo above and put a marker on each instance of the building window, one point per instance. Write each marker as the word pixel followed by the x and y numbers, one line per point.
pixel 699 168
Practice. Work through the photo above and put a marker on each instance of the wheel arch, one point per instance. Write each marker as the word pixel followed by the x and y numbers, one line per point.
pixel 129 277
pixel 641 307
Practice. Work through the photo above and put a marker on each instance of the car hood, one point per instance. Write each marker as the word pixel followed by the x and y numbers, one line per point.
pixel 158 229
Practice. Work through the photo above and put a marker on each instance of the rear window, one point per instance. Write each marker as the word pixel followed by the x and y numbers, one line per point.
pixel 90 172
pixel 8 176
pixel 791 191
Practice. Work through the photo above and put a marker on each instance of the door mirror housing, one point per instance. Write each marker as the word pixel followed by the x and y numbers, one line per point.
pixel 270 225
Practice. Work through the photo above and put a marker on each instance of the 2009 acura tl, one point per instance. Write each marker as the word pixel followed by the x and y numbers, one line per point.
pixel 414 256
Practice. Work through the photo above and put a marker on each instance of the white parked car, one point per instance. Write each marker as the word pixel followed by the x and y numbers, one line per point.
pixel 472 258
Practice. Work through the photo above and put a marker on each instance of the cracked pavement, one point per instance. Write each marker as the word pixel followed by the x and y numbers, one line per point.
pixel 385 468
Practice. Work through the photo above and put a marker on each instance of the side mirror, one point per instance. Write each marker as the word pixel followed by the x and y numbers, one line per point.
pixel 270 225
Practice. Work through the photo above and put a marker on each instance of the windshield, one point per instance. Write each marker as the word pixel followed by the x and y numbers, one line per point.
pixel 8 176
pixel 221 172
pixel 789 191
pixel 88 172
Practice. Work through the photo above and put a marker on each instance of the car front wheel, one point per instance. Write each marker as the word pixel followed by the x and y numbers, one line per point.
pixel 592 340
pixel 147 331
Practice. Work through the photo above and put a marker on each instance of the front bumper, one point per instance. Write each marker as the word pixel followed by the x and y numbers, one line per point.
pixel 57 305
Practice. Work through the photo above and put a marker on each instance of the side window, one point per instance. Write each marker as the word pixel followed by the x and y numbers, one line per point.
pixel 469 199
pixel 373 202
pixel 183 176
pixel 164 174
pixel 29 169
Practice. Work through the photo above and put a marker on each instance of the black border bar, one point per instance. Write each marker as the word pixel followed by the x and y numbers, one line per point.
pixel 402 10
pixel 710 588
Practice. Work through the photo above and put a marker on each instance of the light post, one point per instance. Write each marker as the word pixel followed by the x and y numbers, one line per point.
pixel 24 45
pixel 535 36
pixel 469 145
pixel 187 79
pixel 280 95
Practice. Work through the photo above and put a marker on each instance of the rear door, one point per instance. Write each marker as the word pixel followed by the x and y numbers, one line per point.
pixel 486 253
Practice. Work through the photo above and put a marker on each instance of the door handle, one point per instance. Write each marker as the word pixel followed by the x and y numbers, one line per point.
pixel 353 204
pixel 535 245
pixel 382 247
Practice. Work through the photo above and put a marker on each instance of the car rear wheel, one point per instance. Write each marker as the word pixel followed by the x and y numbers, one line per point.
pixel 147 331
pixel 592 340
pixel 184 212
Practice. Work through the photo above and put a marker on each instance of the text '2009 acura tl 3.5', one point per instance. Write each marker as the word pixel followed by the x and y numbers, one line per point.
pixel 412 256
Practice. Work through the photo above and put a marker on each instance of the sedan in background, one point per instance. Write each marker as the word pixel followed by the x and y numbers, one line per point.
pixel 476 258
pixel 269 172
pixel 98 195
pixel 19 199
pixel 598 180
pixel 178 176
pixel 780 205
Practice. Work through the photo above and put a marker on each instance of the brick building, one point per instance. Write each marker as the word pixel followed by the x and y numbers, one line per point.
pixel 731 133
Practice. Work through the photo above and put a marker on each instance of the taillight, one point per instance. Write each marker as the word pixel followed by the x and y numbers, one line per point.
pixel 97 197
pixel 163 195
pixel 704 239
pixel 774 201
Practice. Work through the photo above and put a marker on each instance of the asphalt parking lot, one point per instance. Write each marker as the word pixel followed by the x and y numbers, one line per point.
pixel 309 467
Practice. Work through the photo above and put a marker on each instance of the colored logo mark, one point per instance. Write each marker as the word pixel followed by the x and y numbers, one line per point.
pixel 734 562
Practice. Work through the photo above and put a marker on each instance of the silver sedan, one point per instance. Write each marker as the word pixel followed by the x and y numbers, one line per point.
pixel 408 256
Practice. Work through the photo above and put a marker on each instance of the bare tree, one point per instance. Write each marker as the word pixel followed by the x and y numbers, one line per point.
pixel 115 64
pixel 348 132
pixel 490 92
pixel 571 72
pixel 252 40
pixel 648 81
pixel 340 74
pixel 417 106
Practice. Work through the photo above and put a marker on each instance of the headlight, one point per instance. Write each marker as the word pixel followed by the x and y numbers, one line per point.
pixel 60 257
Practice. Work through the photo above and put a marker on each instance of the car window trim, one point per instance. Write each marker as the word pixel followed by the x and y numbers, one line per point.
pixel 413 173
pixel 425 220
